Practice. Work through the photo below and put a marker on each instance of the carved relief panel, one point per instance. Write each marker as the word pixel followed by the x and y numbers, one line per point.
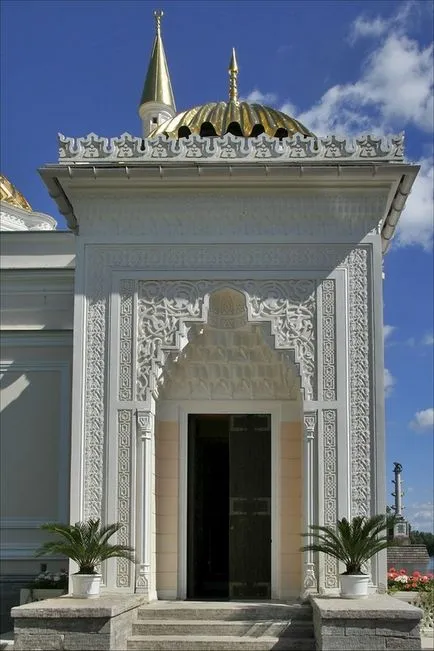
pixel 157 318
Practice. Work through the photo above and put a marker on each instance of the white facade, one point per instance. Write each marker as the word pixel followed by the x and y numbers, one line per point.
pixel 184 250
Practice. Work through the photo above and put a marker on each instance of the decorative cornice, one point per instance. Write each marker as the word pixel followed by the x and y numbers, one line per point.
pixel 96 149
pixel 14 218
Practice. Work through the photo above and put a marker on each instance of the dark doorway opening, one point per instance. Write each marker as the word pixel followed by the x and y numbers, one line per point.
pixel 229 506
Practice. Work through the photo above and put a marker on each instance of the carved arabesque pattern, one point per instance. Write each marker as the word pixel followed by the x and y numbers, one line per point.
pixel 126 340
pixel 280 257
pixel 360 405
pixel 100 261
pixel 94 405
pixel 291 308
pixel 125 419
pixel 330 487
pixel 328 329
pixel 166 308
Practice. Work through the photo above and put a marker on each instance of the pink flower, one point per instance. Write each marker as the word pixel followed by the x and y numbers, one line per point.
pixel 403 571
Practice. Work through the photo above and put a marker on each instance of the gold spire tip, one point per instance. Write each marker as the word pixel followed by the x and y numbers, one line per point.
pixel 158 15
pixel 233 74
pixel 233 65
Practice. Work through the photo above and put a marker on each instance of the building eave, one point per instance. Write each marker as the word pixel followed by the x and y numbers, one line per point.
pixel 61 179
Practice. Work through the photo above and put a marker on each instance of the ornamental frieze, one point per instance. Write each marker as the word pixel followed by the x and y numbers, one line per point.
pixel 93 148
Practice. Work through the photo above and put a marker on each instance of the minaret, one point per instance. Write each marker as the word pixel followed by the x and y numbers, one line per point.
pixel 157 103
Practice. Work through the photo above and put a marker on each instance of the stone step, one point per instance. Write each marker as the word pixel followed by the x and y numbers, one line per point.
pixel 252 628
pixel 217 643
pixel 224 611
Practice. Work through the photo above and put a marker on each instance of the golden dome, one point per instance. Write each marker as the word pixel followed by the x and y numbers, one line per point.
pixel 10 194
pixel 239 118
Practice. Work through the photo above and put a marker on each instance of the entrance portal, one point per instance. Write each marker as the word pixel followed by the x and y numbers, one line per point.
pixel 229 506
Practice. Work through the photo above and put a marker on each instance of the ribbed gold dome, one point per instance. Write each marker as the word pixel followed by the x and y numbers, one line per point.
pixel 240 118
pixel 10 194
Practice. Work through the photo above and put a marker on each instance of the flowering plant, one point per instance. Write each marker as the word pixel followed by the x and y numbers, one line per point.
pixel 57 580
pixel 400 580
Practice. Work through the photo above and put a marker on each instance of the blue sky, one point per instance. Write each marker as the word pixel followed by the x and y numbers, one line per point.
pixel 77 66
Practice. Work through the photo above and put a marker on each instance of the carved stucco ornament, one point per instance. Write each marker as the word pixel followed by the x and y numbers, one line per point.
pixel 132 148
pixel 191 297
pixel 166 310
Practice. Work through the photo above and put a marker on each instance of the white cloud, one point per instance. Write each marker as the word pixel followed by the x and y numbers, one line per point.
pixel 261 98
pixel 289 109
pixel 396 85
pixel 363 27
pixel 394 90
pixel 421 515
pixel 387 331
pixel 423 420
pixel 416 223
pixel 428 340
pixel 389 382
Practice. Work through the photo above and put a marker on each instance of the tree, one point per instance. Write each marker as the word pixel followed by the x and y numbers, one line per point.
pixel 423 538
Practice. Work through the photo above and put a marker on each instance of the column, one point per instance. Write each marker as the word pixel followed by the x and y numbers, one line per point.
pixel 310 584
pixel 145 582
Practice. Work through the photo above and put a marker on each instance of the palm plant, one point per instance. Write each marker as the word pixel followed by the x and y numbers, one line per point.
pixel 352 542
pixel 86 543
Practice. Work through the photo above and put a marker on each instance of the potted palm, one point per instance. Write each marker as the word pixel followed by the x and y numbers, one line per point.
pixel 353 543
pixel 87 544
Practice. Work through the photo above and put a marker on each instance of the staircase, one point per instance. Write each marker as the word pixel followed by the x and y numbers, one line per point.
pixel 222 626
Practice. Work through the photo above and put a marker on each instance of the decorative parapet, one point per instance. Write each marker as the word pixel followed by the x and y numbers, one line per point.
pixel 14 218
pixel 132 149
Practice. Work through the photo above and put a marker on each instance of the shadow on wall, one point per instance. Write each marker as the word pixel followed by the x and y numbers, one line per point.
pixel 32 474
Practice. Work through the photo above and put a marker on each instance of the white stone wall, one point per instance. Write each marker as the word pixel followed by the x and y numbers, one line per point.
pixel 35 399
pixel 141 297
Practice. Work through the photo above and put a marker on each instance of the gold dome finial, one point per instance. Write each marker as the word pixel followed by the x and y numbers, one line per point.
pixel 233 74
pixel 157 86
pixel 158 14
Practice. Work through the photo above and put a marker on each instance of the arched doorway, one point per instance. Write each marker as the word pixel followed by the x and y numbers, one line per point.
pixel 229 463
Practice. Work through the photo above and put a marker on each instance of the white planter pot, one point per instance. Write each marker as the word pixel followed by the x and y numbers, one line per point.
pixel 86 586
pixel 354 586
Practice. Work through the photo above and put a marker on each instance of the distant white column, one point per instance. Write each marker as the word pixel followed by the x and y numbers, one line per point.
pixel 310 584
pixel 145 493
pixel 397 469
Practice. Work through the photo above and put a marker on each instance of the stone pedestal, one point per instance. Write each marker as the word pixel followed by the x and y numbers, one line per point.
pixel 65 623
pixel 379 622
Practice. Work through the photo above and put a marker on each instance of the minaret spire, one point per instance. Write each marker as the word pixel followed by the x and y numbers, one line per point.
pixel 233 75
pixel 157 102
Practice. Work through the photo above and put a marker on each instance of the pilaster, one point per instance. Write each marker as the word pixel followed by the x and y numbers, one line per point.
pixel 145 574
pixel 310 421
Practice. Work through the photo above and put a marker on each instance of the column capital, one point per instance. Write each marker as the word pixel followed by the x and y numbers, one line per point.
pixel 310 419
pixel 145 423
